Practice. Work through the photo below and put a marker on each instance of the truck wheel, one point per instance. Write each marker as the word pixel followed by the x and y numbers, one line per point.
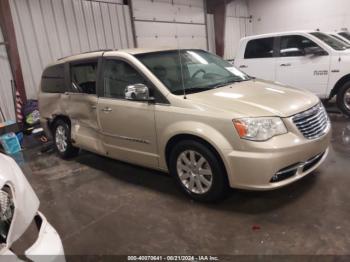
pixel 343 98
pixel 62 140
pixel 198 171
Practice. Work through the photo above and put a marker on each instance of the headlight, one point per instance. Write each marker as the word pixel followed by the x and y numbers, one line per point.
pixel 260 128
pixel 6 212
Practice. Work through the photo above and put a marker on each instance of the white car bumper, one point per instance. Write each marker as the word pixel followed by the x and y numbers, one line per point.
pixel 48 246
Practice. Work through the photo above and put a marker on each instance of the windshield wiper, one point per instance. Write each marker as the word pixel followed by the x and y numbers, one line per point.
pixel 191 90
pixel 229 82
pixel 225 84
pixel 200 89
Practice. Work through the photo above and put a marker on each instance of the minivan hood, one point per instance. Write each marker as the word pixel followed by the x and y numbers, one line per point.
pixel 257 98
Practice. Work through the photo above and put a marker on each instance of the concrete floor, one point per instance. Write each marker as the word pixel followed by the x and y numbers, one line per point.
pixel 102 206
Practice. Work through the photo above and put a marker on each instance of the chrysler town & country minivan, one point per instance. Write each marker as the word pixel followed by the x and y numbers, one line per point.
pixel 187 112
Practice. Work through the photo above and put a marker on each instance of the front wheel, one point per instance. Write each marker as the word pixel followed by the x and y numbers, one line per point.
pixel 343 98
pixel 199 171
pixel 61 133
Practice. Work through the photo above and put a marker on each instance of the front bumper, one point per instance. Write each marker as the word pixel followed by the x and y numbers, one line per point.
pixel 254 169
pixel 47 247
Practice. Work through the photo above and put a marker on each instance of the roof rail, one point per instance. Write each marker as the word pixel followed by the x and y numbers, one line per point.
pixel 88 52
pixel 99 50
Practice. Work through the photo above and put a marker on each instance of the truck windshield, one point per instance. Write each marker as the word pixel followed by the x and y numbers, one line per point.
pixel 341 40
pixel 191 70
pixel 331 41
pixel 345 35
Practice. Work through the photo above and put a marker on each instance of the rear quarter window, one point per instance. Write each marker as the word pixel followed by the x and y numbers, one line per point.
pixel 52 80
pixel 259 48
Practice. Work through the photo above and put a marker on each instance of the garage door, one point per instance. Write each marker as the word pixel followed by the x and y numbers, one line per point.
pixel 170 23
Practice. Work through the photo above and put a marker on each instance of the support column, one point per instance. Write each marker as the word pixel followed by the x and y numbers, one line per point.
pixel 218 9
pixel 8 31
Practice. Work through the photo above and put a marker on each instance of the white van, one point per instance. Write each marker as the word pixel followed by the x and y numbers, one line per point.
pixel 311 60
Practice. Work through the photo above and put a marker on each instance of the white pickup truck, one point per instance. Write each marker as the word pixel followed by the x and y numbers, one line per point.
pixel 308 60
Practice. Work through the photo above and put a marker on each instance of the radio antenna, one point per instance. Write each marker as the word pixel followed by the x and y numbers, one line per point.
pixel 182 75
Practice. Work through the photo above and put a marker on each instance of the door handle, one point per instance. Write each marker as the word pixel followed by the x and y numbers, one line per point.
pixel 93 107
pixel 107 109
pixel 243 66
pixel 288 64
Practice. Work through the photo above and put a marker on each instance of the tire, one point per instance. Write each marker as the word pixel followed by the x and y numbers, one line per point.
pixel 343 98
pixel 62 133
pixel 215 187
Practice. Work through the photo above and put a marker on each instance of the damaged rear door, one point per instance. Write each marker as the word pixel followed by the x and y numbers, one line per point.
pixel 82 103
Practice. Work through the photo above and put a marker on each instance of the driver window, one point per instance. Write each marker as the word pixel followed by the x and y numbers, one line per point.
pixel 83 77
pixel 294 45
pixel 117 76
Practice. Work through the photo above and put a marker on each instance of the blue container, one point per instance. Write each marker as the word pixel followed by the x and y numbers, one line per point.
pixel 20 137
pixel 10 143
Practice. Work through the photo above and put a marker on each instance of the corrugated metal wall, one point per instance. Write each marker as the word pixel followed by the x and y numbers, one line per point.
pixel 49 29
pixel 170 23
pixel 6 98
pixel 237 26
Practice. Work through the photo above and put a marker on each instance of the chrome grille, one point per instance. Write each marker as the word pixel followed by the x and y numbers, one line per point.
pixel 313 122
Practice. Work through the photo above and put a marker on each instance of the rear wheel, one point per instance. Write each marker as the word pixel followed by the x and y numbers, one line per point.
pixel 62 140
pixel 198 171
pixel 343 98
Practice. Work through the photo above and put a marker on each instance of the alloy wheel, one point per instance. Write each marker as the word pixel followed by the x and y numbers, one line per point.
pixel 61 139
pixel 194 172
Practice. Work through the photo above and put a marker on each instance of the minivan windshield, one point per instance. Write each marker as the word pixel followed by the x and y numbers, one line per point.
pixel 191 71
pixel 331 41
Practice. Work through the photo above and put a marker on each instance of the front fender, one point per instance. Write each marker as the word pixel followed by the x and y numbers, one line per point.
pixel 198 129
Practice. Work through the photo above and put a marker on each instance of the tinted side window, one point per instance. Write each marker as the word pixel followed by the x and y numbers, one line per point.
pixel 52 80
pixel 294 45
pixel 117 75
pixel 259 48
pixel 83 77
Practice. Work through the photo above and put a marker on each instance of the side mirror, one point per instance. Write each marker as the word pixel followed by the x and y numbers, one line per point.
pixel 315 51
pixel 137 92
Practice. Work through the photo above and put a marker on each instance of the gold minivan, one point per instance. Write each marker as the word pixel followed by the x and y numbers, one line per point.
pixel 187 112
